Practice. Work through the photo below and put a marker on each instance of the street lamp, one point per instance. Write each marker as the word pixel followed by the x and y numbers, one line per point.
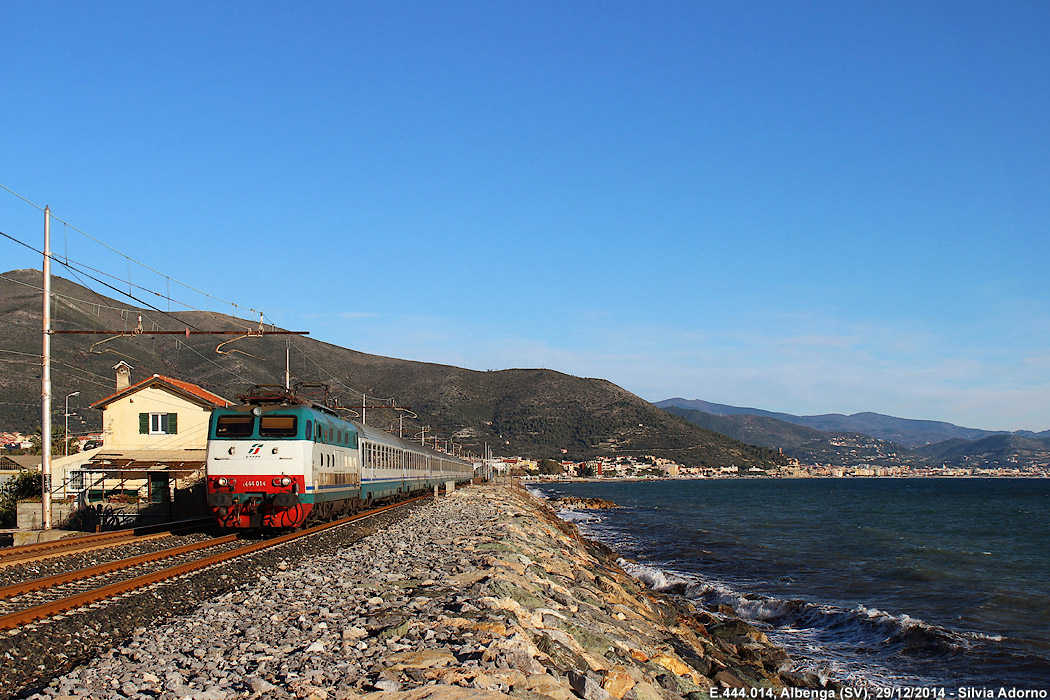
pixel 65 435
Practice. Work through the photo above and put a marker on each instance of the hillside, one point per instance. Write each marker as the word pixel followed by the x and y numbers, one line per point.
pixel 531 412
pixel 903 431
pixel 753 429
pixel 843 448
pixel 1000 450
pixel 808 445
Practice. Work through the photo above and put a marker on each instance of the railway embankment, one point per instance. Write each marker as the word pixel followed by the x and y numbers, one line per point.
pixel 482 594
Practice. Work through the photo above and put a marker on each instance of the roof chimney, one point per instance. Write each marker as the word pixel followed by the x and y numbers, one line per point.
pixel 123 375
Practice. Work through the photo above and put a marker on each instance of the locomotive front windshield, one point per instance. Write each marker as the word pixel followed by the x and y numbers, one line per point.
pixel 278 426
pixel 244 425
pixel 235 426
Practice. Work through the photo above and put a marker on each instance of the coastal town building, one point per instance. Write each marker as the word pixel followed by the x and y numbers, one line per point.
pixel 154 435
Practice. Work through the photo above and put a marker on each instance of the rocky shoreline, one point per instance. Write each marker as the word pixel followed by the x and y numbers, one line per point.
pixel 577 502
pixel 483 594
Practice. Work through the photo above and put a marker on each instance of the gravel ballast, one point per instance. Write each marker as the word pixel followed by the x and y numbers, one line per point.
pixel 32 656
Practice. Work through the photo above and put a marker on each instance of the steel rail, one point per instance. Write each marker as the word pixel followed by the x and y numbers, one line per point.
pixel 80 600
pixel 23 552
pixel 16 589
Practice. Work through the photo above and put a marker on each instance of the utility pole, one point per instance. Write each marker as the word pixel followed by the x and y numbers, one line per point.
pixel 45 392
pixel 287 371
pixel 363 421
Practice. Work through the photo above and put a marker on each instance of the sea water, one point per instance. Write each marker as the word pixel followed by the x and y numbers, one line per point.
pixel 891 583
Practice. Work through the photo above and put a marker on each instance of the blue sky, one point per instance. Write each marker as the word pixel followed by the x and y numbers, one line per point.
pixel 805 207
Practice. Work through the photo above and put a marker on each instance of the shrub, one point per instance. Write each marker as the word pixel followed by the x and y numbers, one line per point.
pixel 25 485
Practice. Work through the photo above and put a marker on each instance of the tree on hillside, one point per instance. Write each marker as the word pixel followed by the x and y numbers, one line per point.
pixel 550 467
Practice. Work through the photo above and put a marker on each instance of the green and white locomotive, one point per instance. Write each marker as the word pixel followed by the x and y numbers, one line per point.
pixel 278 461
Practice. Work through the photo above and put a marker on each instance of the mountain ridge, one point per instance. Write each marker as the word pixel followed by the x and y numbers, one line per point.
pixel 528 412
pixel 903 431
pixel 846 449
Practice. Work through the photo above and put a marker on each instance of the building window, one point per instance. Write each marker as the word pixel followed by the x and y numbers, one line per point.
pixel 158 423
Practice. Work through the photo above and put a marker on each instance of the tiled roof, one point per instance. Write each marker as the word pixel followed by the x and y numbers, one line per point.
pixel 19 461
pixel 197 391
pixel 184 387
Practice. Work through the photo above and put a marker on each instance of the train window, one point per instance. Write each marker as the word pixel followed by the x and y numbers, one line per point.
pixel 234 426
pixel 278 426
pixel 309 430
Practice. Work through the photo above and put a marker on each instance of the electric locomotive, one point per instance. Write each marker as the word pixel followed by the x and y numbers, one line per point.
pixel 278 461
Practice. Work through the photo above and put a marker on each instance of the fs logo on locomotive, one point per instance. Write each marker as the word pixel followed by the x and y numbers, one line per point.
pixel 254 451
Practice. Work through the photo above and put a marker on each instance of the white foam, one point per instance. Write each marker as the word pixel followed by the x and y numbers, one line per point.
pixel 536 492
pixel 656 578
pixel 573 516
pixel 904 621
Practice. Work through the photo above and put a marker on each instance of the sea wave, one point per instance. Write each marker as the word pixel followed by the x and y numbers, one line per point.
pixel 536 492
pixel 578 516
pixel 825 638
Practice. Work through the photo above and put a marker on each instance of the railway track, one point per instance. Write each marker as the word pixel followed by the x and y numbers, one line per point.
pixel 26 602
pixel 26 553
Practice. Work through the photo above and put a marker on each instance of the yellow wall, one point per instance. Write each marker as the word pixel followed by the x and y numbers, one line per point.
pixel 121 422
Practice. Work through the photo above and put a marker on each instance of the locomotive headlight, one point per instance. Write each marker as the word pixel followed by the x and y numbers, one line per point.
pixel 286 480
pixel 222 481
pixel 256 411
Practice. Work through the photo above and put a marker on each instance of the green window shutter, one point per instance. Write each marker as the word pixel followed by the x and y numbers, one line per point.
pixel 143 423
pixel 173 424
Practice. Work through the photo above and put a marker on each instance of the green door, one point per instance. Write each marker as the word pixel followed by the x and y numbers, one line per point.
pixel 158 488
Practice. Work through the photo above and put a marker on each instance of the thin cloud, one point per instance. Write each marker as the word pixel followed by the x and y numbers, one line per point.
pixel 810 365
